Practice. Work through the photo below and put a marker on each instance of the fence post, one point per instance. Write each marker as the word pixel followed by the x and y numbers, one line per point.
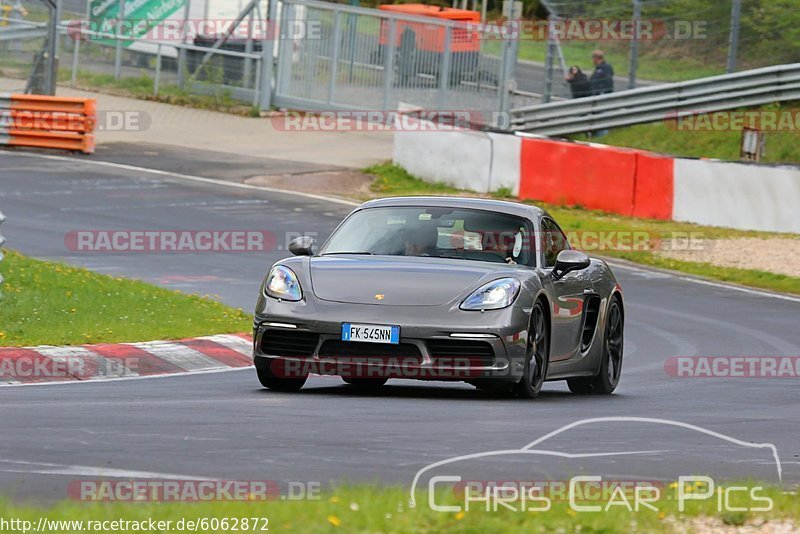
pixel 388 62
pixel 158 71
pixel 76 51
pixel 337 26
pixel 267 51
pixel 444 68
pixel 634 59
pixel 118 37
pixel 547 95
pixel 508 61
pixel 181 50
pixel 733 41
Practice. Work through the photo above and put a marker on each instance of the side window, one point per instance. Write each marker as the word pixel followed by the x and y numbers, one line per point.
pixel 553 242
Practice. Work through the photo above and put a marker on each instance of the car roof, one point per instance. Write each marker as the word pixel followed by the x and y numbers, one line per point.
pixel 500 206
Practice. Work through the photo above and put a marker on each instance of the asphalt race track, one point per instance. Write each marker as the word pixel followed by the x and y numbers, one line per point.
pixel 226 426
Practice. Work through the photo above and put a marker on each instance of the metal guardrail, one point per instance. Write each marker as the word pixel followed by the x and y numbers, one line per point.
pixel 12 29
pixel 661 102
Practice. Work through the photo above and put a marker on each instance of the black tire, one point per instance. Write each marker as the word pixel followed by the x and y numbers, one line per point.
pixel 270 380
pixel 365 383
pixel 607 378
pixel 538 355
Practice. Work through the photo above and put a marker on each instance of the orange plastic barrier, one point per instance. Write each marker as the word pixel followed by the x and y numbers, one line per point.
pixel 615 180
pixel 653 191
pixel 577 174
pixel 48 122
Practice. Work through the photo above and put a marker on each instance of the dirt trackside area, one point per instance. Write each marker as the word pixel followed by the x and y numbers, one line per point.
pixel 772 254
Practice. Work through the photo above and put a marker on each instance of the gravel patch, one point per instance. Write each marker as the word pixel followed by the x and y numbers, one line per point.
pixel 344 184
pixel 774 254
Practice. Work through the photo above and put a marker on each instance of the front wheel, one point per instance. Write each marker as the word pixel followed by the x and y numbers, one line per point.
pixel 606 380
pixel 538 359
pixel 269 379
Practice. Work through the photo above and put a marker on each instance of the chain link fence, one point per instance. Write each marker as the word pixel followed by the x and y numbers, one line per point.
pixel 679 39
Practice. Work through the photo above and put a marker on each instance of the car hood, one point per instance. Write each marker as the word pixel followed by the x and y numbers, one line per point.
pixel 396 281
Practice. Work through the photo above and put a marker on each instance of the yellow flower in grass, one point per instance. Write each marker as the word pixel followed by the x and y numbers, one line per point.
pixel 460 516
pixel 333 520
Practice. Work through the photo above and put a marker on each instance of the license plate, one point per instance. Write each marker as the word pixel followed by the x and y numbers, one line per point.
pixel 370 333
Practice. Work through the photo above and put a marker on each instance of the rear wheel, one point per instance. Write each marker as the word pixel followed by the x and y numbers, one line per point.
pixel 607 378
pixel 365 383
pixel 538 359
pixel 269 379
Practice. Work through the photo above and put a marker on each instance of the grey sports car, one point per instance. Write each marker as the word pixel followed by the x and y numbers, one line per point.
pixel 440 288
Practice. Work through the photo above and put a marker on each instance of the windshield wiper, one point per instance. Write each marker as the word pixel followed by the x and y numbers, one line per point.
pixel 348 252
pixel 449 257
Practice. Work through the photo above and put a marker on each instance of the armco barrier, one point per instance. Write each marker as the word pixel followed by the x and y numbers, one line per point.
pixel 47 122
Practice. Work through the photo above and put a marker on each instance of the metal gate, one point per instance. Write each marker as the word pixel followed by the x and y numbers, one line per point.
pixel 336 57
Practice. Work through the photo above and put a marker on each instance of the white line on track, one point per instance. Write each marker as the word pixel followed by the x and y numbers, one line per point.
pixel 189 177
pixel 43 468
pixel 700 281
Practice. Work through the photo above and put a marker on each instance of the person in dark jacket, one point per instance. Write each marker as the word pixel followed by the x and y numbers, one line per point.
pixel 578 82
pixel 602 79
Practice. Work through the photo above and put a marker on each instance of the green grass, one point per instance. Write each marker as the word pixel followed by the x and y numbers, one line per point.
pixel 380 509
pixel 141 87
pixel 53 303
pixel 664 137
pixel 650 67
pixel 393 180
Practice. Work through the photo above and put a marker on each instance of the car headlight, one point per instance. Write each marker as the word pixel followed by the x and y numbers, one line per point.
pixel 282 284
pixel 493 296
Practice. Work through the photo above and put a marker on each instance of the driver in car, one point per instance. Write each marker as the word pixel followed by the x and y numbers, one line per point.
pixel 421 241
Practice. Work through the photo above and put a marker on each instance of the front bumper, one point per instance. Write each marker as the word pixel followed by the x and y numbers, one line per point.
pixel 436 342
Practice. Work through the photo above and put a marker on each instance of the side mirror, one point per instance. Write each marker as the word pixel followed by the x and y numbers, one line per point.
pixel 301 246
pixel 569 260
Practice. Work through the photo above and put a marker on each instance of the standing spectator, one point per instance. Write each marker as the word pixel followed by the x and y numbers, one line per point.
pixel 602 79
pixel 578 82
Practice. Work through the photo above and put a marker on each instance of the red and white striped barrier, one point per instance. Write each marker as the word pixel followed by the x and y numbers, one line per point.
pixel 124 360
pixel 616 180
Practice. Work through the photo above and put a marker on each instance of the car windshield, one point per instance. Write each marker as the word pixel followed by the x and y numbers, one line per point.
pixel 435 232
